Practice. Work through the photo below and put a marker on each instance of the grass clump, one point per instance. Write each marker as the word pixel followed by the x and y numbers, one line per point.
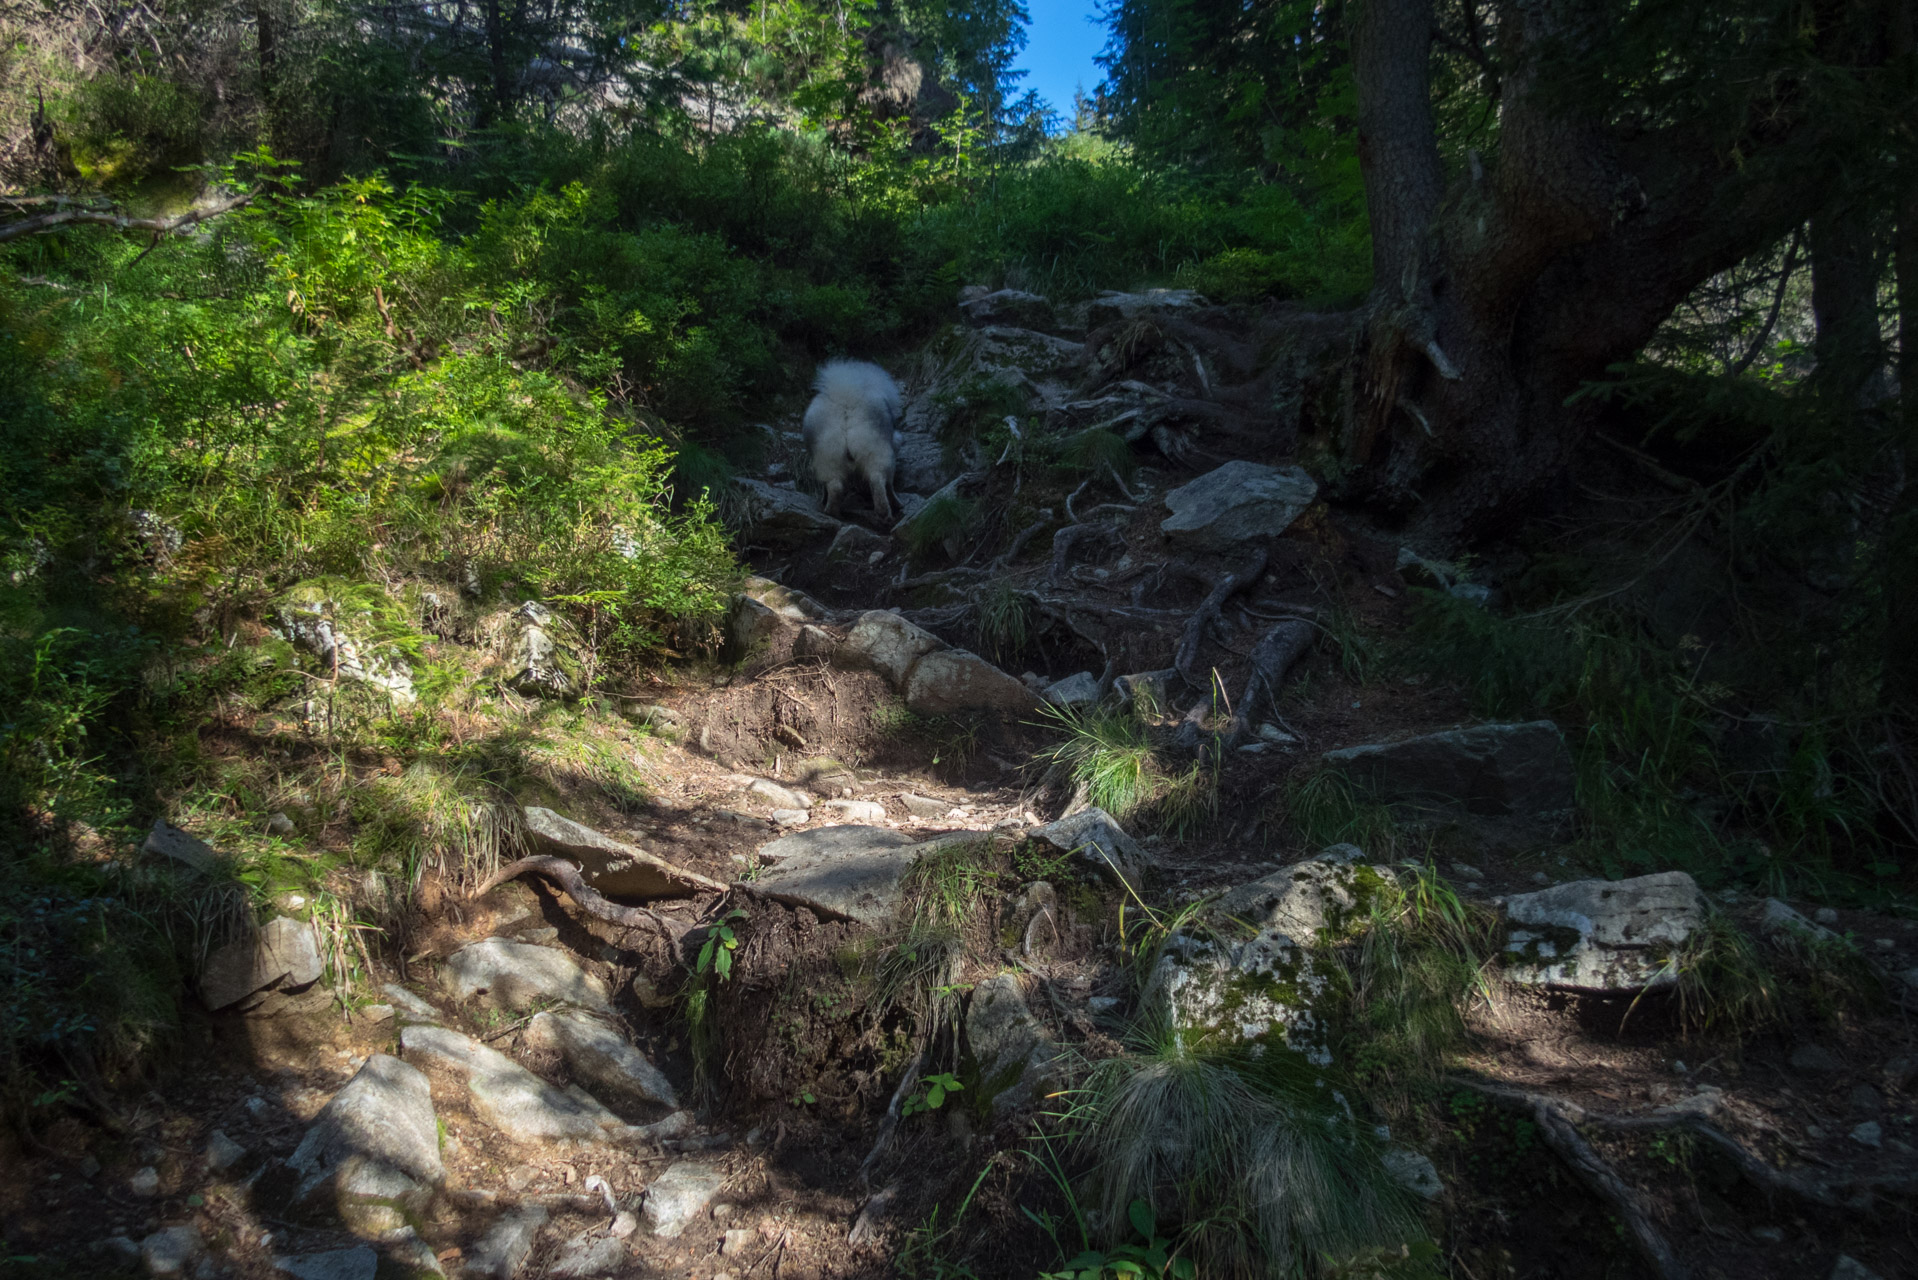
pixel 1325 807
pixel 942 525
pixel 1004 621
pixel 1256 1159
pixel 1105 752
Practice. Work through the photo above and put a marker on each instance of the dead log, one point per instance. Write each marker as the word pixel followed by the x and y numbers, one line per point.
pixel 159 226
pixel 592 901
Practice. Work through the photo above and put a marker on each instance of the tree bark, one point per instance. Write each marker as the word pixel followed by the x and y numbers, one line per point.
pixel 1844 301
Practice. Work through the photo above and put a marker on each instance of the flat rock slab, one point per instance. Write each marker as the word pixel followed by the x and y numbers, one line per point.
pixel 384 1114
pixel 1094 837
pixel 1320 900
pixel 886 643
pixel 679 1195
pixel 600 1054
pixel 283 952
pixel 1489 769
pixel 586 1257
pixel 168 841
pixel 862 811
pixel 357 1263
pixel 826 842
pixel 1602 935
pixel 408 1007
pixel 512 1099
pixel 517 975
pixel 1237 503
pixel 503 1250
pixel 614 867
pixel 858 876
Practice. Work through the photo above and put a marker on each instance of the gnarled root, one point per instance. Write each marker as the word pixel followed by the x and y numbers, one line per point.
pixel 592 901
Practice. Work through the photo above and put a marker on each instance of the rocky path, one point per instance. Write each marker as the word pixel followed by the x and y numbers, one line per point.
pixel 688 1037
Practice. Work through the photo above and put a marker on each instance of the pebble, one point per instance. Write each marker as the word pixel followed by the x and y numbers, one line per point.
pixel 167 1253
pixel 724 1209
pixel 1868 1134
pixel 377 1013
pixel 735 1242
pixel 1768 1235
pixel 1539 877
pixel 624 1224
pixel 1825 915
pixel 790 817
pixel 145 1183
pixel 222 1152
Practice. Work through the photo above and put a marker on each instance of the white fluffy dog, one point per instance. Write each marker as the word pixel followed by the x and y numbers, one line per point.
pixel 850 429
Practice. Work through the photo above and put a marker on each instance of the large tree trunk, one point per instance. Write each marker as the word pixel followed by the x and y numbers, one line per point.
pixel 1535 271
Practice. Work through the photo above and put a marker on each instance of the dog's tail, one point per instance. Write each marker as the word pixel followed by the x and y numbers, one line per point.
pixel 855 384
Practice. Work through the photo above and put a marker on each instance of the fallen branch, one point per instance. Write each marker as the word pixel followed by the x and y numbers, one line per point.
pixel 592 901
pixel 1065 540
pixel 159 226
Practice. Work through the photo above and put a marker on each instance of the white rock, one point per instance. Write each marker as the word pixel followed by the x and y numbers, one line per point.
pixel 1783 925
pixel 601 1055
pixel 781 517
pixel 679 1195
pixel 1849 1268
pixel 409 1007
pixel 512 1099
pixel 384 1115
pixel 1014 1050
pixel 1081 689
pixel 514 975
pixel 886 643
pixel 1259 992
pixel 849 873
pixel 503 1250
pixel 222 1152
pixel 1602 936
pixel 948 681
pixel 735 1242
pixel 1825 915
pixel 145 1183
pixel 1307 901
pixel 586 1256
pixel 781 797
pixel 170 1252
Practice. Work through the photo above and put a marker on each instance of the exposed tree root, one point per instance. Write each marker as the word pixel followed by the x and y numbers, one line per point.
pixel 1207 616
pixel 592 901
pixel 1064 541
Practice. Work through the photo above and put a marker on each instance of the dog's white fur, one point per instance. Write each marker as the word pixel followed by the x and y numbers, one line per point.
pixel 851 429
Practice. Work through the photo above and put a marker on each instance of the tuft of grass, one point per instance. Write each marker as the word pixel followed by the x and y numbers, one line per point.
pixel 1261 1167
pixel 1325 807
pixel 1188 802
pixel 1722 982
pixel 941 525
pixel 1104 751
pixel 1094 450
pixel 1004 621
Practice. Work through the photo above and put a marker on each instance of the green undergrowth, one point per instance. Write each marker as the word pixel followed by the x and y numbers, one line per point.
pixel 1112 754
pixel 1773 783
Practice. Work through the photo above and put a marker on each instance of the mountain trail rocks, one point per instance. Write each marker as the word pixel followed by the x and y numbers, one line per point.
pixel 512 1099
pixel 283 952
pixel 1012 307
pixel 780 517
pixel 1014 1051
pixel 358 1263
pixel 168 841
pixel 171 1251
pixel 542 655
pixel 844 872
pixel 1237 503
pixel 614 867
pixel 376 1145
pixel 338 633
pixel 947 681
pixel 1092 836
pixel 601 1055
pixel 679 1195
pixel 1308 901
pixel 517 975
pixel 503 1250
pixel 1259 992
pixel 1602 935
pixel 763 609
pixel 1487 769
pixel 886 643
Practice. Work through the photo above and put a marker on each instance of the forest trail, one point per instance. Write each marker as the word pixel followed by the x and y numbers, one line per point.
pixel 534 1081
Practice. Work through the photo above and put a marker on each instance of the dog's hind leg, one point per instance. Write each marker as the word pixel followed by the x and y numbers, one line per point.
pixel 876 480
pixel 835 494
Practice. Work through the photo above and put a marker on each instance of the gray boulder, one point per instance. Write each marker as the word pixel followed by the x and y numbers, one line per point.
pixel 517 975
pixel 614 867
pixel 775 516
pixel 1012 307
pixel 168 841
pixel 947 681
pixel 1236 503
pixel 1414 1171
pixel 512 1099
pixel 886 643
pixel 1260 992
pixel 680 1195
pixel 1319 900
pixel 1015 1052
pixel 282 952
pixel 1095 838
pixel 1080 689
pixel 763 610
pixel 357 1263
pixel 1602 935
pixel 587 1256
pixel 1111 305
pixel 601 1055
pixel 1489 769
pixel 503 1250
pixel 377 1134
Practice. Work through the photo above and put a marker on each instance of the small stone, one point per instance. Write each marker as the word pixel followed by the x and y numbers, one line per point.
pixel 122 1249
pixel 520 1177
pixel 624 1224
pixel 1539 877
pixel 1864 1100
pixel 1884 944
pixel 374 1014
pixel 1825 916
pixel 145 1183
pixel 1868 1134
pixel 790 817
pixel 1899 1073
pixel 169 1252
pixel 1815 1060
pixel 222 1152
pixel 89 1167
pixel 1849 1268
pixel 780 797
pixel 922 808
pixel 409 1007
pixel 735 1242
pixel 1098 1006
pixel 1414 1171
pixel 1768 1235
pixel 280 825
pixel 503 1250
pixel 586 1256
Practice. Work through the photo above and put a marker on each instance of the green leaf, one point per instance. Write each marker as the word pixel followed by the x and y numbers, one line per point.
pixel 1139 1214
pixel 935 1096
pixel 1185 1269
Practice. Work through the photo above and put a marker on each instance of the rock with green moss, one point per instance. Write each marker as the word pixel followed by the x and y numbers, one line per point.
pixel 1262 992
pixel 1016 1054
pixel 763 610
pixel 1603 935
pixel 1325 899
pixel 355 632
pixel 541 658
